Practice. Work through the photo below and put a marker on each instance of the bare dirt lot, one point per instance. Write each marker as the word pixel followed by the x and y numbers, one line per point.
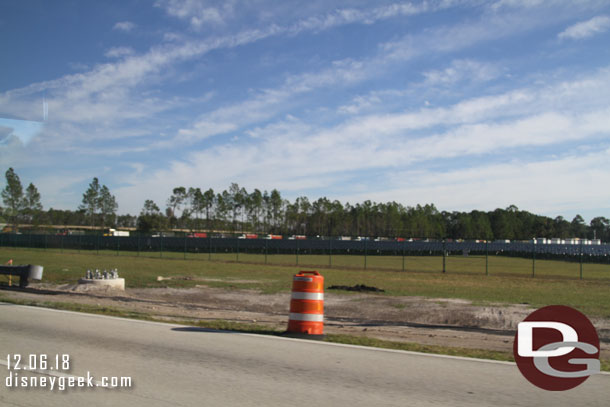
pixel 445 322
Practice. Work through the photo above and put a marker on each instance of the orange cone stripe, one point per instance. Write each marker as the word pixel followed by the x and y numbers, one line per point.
pixel 308 307
pixel 313 286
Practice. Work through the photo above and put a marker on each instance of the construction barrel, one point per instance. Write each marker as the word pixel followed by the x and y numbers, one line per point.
pixel 307 304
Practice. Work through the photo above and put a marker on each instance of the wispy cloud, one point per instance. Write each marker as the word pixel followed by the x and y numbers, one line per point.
pixel 361 16
pixel 198 13
pixel 511 111
pixel 294 155
pixel 516 4
pixel 360 103
pixel 463 70
pixel 125 26
pixel 108 90
pixel 537 186
pixel 202 107
pixel 269 103
pixel 585 29
pixel 349 71
pixel 118 52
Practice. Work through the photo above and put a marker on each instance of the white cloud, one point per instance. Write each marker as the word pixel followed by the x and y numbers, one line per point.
pixel 462 70
pixel 58 187
pixel 516 4
pixel 114 101
pixel 447 39
pixel 118 52
pixel 579 96
pixel 499 20
pixel 271 102
pixel 341 17
pixel 348 71
pixel 585 29
pixel 198 13
pixel 172 36
pixel 109 91
pixel 551 187
pixel 125 26
pixel 294 155
pixel 359 103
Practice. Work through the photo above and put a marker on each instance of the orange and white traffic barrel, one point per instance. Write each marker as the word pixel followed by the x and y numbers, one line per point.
pixel 307 304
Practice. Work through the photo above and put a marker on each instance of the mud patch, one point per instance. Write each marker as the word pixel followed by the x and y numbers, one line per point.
pixel 358 287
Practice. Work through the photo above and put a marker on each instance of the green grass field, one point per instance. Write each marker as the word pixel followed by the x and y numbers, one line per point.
pixel 509 280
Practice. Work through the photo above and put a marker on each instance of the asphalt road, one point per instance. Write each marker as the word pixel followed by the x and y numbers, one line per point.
pixel 172 365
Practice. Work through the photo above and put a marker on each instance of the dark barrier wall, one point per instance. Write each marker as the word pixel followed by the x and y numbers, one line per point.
pixel 578 252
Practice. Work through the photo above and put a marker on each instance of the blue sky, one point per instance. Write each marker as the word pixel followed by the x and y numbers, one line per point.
pixel 464 104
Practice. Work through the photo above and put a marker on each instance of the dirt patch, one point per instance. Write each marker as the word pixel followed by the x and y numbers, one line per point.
pixel 446 322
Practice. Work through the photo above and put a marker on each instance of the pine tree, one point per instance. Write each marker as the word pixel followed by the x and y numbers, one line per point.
pixel 90 202
pixel 12 196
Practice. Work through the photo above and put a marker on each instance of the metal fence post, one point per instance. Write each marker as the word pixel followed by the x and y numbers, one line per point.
pixel 297 250
pixel 161 249
pixel 486 258
pixel 404 243
pixel 210 247
pixel 330 251
pixel 581 254
pixel 533 258
pixel 266 249
pixel 237 256
pixel 365 252
pixel 184 247
pixel 444 257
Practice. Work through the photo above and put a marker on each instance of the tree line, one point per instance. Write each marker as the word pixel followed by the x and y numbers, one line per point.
pixel 262 212
pixel 98 207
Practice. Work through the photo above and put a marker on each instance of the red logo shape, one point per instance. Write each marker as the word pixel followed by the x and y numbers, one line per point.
pixel 556 348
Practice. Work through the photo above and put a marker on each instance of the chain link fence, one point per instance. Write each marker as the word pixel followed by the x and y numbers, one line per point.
pixel 487 258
